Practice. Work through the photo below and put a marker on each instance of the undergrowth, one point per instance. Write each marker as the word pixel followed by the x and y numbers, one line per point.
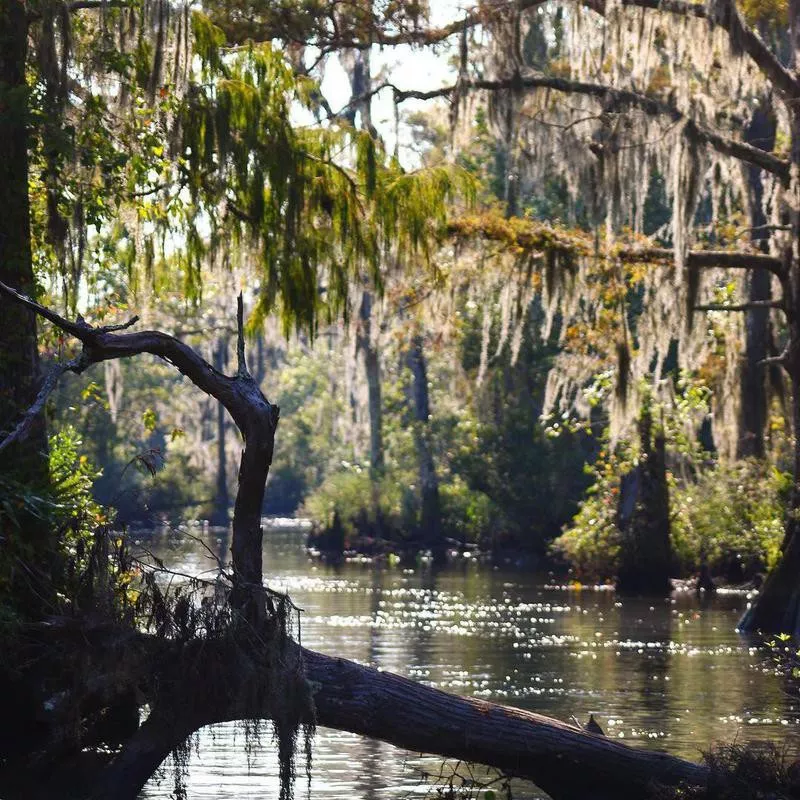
pixel 752 771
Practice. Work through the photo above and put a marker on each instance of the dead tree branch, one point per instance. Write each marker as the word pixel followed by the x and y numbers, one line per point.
pixel 254 416
pixel 22 429
pixel 103 344
pixel 623 97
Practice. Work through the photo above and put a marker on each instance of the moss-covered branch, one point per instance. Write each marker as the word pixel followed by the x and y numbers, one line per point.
pixel 528 236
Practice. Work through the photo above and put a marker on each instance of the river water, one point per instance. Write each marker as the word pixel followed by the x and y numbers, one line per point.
pixel 666 674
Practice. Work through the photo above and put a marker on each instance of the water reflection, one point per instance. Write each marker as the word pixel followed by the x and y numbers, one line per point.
pixel 668 674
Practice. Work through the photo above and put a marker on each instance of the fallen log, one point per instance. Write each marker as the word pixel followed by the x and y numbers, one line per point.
pixel 565 761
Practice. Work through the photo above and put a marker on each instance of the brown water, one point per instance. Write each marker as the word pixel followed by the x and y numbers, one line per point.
pixel 667 674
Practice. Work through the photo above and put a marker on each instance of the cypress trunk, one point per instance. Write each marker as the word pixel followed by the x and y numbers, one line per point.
pixel 19 359
pixel 753 416
pixel 646 553
pixel 430 516
pixel 28 557
pixel 372 368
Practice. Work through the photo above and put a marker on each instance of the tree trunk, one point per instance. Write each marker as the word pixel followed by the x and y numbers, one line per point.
pixel 777 607
pixel 372 368
pixel 430 512
pixel 222 500
pixel 753 417
pixel 19 358
pixel 566 762
pixel 28 557
pixel 646 553
pixel 259 441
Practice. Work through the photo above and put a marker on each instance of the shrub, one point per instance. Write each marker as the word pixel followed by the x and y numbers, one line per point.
pixel 349 493
pixel 732 515
pixel 591 543
pixel 467 514
pixel 729 515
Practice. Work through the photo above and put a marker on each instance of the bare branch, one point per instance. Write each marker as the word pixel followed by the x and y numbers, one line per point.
pixel 705 259
pixel 241 359
pixel 752 305
pixel 780 360
pixel 102 344
pixel 48 385
pixel 624 97
pixel 123 326
pixel 77 329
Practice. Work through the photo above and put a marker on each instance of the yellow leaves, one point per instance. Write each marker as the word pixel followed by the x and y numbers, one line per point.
pixel 636 271
pixel 765 11
pixel 613 294
pixel 521 235
pixel 149 420
pixel 92 392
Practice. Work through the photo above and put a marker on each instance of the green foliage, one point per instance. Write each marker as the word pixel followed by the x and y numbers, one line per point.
pixel 501 446
pixel 467 514
pixel 65 509
pixel 734 515
pixel 309 446
pixel 728 515
pixel 314 218
pixel 591 542
pixel 348 493
pixel 72 476
pixel 177 169
pixel 150 468
pixel 502 482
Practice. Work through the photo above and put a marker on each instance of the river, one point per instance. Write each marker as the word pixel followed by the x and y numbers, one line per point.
pixel 666 674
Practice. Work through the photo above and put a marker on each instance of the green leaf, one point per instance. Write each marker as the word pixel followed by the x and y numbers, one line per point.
pixel 149 419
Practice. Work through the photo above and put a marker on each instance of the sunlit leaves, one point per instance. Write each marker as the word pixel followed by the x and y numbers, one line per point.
pixel 149 420
pixel 208 39
pixel 313 208
pixel 160 176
